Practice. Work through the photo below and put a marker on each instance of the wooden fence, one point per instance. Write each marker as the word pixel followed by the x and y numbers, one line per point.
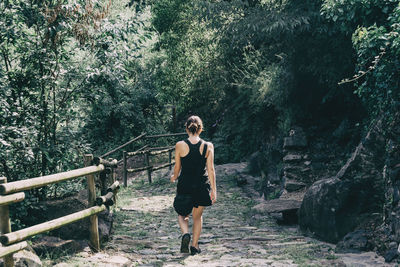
pixel 147 151
pixel 12 192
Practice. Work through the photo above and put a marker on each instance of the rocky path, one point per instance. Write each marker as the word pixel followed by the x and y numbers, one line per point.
pixel 146 232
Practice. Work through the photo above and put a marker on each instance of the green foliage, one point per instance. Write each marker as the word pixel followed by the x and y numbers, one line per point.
pixel 121 92
pixel 376 38
pixel 167 15
pixel 271 63
pixel 40 85
pixel 86 76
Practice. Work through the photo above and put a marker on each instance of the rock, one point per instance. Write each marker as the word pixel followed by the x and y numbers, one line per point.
pixel 240 179
pixel 55 245
pixel 292 158
pixel 26 258
pixel 296 169
pixel 287 207
pixel 291 175
pixel 391 254
pixel 291 185
pixel 364 259
pixel 54 209
pixel 277 205
pixel 119 261
pixel 105 225
pixel 79 230
pixel 393 245
pixel 335 206
pixel 294 141
pixel 331 208
pixel 356 241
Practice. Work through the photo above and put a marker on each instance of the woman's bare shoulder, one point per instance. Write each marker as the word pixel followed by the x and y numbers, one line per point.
pixel 180 144
pixel 209 145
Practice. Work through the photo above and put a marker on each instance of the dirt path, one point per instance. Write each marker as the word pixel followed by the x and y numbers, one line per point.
pixel 146 232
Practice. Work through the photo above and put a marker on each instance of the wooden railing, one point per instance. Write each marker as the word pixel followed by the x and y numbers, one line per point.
pixel 12 192
pixel 147 151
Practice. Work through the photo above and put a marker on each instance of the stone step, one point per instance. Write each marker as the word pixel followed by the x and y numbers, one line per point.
pixel 286 244
pixel 292 185
pixel 277 205
pixel 293 158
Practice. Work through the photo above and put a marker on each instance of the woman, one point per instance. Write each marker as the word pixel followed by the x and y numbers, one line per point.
pixel 195 189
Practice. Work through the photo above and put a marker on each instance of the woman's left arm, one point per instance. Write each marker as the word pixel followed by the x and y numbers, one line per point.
pixel 211 172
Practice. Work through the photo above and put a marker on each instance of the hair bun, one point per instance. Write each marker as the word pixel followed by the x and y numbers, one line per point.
pixel 193 127
pixel 194 124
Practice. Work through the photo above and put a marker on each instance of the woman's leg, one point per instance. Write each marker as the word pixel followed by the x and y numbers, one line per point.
pixel 183 224
pixel 197 225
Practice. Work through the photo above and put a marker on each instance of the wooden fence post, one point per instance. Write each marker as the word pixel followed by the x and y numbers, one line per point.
pixel 124 169
pixel 94 224
pixel 148 165
pixel 103 182
pixel 5 226
pixel 113 178
pixel 170 159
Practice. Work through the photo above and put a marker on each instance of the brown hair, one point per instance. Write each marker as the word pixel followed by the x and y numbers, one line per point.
pixel 194 124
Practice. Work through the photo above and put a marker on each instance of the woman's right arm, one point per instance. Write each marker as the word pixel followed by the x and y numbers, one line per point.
pixel 177 167
pixel 211 172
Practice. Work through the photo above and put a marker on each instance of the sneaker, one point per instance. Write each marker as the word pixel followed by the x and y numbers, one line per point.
pixel 194 250
pixel 185 243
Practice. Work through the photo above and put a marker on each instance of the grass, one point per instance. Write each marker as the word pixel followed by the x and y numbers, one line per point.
pixel 53 255
pixel 331 257
pixel 300 254
pixel 141 233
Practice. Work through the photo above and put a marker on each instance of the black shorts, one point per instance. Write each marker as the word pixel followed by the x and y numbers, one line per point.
pixel 184 202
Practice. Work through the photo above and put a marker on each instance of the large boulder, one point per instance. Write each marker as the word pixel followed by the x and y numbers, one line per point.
pixel 331 208
pixel 55 245
pixel 26 258
pixel 54 209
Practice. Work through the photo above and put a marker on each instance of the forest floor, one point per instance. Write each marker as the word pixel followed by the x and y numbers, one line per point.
pixel 146 232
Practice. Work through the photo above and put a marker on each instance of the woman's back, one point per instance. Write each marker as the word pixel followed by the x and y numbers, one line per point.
pixel 193 172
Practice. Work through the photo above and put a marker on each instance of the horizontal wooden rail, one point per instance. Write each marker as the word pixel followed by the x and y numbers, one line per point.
pixel 13 237
pixel 147 153
pixel 159 148
pixel 138 169
pixel 113 187
pixel 162 166
pixel 161 151
pixel 140 149
pixel 164 150
pixel 122 146
pixel 23 185
pixel 165 135
pixel 10 199
pixel 131 154
pixel 152 168
pixel 4 251
pixel 106 199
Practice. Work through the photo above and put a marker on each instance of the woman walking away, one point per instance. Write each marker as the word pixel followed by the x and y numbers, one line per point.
pixel 194 159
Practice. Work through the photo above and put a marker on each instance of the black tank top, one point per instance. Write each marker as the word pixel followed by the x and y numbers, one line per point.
pixel 193 172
